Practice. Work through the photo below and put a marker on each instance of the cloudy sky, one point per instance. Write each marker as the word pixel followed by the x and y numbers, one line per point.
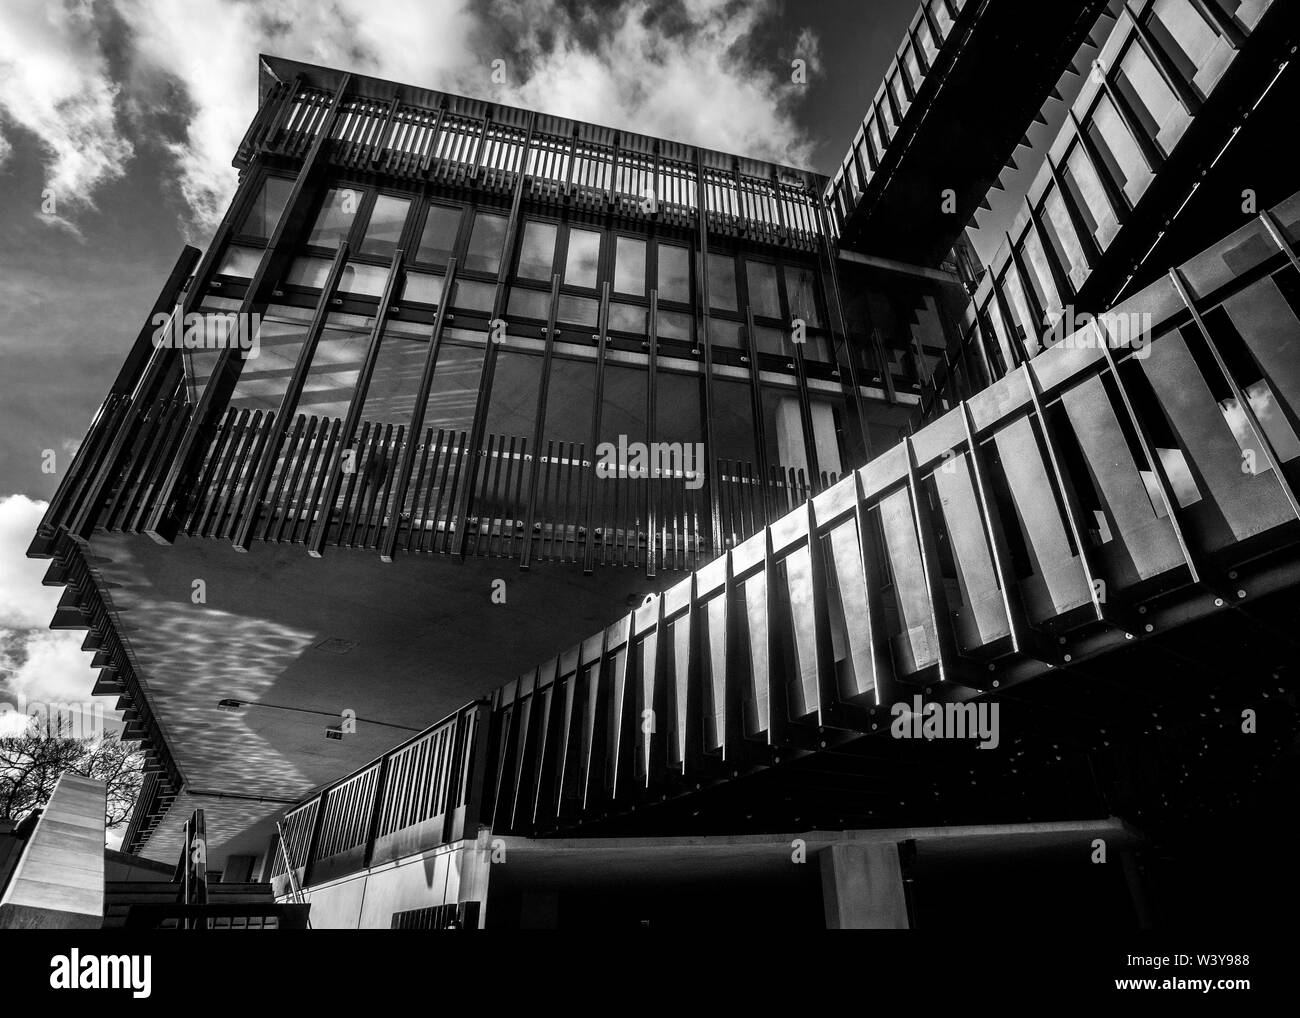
pixel 119 118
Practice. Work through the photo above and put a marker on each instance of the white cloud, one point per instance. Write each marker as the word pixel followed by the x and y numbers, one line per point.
pixel 809 47
pixel 210 50
pixel 23 601
pixel 36 664
pixel 679 72
pixel 690 84
pixel 54 82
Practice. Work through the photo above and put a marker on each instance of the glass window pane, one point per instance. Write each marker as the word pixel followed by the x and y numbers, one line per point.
pixel 422 288
pixel 363 280
pixel 783 429
pixel 454 392
pixel 569 395
pixel 334 220
pixel 674 273
pixel 474 296
pixel 512 408
pixel 816 347
pixel 308 272
pixel 578 311
pixel 241 262
pixel 333 372
pixel 733 422
pixel 679 411
pixel 485 241
pixel 771 341
pixel 629 266
pixel 801 291
pixel 622 412
pixel 726 334
pixel 764 299
pixel 582 261
pixel 827 427
pixel 526 303
pixel 264 378
pixel 627 318
pixel 438 239
pixel 673 325
pixel 722 282
pixel 390 397
pixel 537 252
pixel 385 227
pixel 267 206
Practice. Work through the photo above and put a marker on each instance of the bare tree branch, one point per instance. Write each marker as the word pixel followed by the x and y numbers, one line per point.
pixel 31 763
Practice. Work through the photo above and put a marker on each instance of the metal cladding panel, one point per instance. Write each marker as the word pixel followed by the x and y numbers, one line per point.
pixel 1249 503
pixel 1148 539
pixel 1059 583
pixel 970 548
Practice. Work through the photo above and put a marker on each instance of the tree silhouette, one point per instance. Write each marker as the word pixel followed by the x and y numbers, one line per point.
pixel 30 765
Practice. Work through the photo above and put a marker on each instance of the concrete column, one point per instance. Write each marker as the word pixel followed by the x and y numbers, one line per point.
pixel 862 887
pixel 59 881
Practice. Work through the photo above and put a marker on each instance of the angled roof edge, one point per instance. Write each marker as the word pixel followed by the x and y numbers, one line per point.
pixel 273 70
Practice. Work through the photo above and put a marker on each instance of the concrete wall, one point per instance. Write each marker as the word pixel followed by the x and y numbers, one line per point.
pixel 59 881
pixel 862 886
pixel 445 875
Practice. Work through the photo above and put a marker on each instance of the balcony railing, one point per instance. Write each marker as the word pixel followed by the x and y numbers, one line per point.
pixel 578 516
pixel 485 145
pixel 422 794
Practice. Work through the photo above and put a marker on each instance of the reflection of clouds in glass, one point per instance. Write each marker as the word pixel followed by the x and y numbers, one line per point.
pixel 674 273
pixel 309 272
pixel 334 219
pixel 1276 427
pixel 1242 432
pixel 1180 476
pixel 366 280
pixel 582 259
pixel 537 250
pixel 385 227
pixel 629 266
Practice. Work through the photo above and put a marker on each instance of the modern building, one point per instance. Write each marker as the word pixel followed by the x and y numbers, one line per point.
pixel 596 504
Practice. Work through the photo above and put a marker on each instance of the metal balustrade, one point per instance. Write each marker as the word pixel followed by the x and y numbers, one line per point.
pixel 487 145
pixel 419 795
pixel 646 522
